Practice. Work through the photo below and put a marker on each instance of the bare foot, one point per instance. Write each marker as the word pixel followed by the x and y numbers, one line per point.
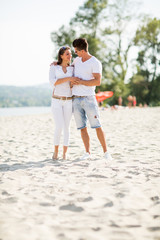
pixel 55 156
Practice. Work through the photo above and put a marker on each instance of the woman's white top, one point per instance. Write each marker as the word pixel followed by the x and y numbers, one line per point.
pixel 55 73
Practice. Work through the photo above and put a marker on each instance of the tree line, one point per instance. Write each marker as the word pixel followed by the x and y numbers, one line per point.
pixel 125 41
pixel 11 96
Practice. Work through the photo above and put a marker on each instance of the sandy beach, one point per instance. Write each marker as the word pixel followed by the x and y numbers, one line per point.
pixel 42 199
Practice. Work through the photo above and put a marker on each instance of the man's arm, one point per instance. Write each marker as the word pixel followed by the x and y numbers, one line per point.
pixel 96 81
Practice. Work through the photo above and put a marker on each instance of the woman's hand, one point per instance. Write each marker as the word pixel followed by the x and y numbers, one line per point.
pixel 71 85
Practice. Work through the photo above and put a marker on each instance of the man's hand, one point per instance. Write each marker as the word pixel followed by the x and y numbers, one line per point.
pixel 53 63
pixel 75 81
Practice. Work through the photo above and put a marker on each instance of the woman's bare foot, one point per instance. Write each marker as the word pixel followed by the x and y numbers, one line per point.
pixel 55 156
pixel 55 153
pixel 65 152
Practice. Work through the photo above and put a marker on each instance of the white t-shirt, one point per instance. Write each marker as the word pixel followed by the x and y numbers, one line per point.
pixel 55 73
pixel 85 70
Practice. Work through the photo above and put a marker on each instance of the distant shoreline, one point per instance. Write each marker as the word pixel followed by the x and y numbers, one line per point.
pixel 22 111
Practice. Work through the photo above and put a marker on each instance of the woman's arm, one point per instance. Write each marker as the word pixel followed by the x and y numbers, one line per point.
pixel 52 76
pixel 73 80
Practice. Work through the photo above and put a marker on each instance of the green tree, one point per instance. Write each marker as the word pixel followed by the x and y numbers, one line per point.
pixel 144 82
pixel 90 16
pixel 110 31
pixel 119 40
pixel 86 23
pixel 64 36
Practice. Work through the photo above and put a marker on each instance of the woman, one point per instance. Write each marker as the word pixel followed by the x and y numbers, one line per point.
pixel 61 79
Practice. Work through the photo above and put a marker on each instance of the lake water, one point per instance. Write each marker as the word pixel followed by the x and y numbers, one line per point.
pixel 20 111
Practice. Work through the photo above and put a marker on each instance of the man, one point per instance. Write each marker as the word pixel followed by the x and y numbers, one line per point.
pixel 89 69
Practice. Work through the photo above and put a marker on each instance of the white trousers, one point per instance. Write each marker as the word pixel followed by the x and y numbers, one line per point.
pixel 62 113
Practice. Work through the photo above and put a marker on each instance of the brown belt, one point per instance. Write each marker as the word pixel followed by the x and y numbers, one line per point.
pixel 61 98
pixel 75 96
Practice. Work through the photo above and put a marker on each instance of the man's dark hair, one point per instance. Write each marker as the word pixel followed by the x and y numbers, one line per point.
pixel 80 44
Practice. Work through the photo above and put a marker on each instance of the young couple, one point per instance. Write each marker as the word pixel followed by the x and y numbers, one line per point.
pixel 74 86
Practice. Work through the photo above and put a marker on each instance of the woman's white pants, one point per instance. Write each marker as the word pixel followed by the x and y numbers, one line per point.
pixel 62 113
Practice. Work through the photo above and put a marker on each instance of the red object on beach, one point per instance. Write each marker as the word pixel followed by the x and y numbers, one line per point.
pixel 101 96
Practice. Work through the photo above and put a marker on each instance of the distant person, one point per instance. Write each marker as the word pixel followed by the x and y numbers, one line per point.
pixel 134 101
pixel 130 101
pixel 145 105
pixel 61 78
pixel 120 101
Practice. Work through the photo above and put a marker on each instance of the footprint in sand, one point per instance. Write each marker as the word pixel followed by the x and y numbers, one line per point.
pixel 46 204
pixel 133 226
pixel 88 199
pixel 109 204
pixel 153 229
pixel 155 198
pixel 71 207
pixel 120 195
pixel 10 200
pixel 97 176
pixel 156 216
pixel 5 193
pixel 114 225
pixel 134 173
pixel 96 229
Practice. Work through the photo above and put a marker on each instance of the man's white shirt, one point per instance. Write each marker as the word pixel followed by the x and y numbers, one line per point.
pixel 85 70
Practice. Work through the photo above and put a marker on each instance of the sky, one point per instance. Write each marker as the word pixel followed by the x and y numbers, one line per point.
pixel 26 49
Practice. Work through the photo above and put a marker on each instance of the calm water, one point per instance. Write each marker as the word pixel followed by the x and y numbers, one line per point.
pixel 19 111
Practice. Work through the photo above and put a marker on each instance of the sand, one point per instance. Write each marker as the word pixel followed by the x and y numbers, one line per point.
pixel 42 199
